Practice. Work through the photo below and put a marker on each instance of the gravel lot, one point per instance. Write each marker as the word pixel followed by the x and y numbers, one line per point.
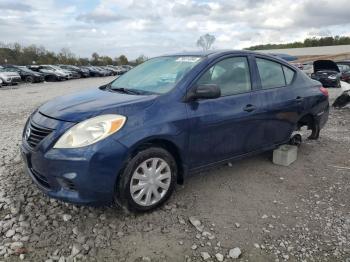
pixel 263 211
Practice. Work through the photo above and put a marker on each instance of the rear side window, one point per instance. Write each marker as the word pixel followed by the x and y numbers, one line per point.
pixel 271 74
pixel 231 75
pixel 289 75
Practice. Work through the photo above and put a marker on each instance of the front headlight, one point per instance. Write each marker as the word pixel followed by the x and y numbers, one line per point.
pixel 91 131
pixel 332 77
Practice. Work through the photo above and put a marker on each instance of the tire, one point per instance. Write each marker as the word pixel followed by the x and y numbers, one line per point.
pixel 126 196
pixel 29 79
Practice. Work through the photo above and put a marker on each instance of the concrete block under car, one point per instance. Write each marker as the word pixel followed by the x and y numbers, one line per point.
pixel 285 155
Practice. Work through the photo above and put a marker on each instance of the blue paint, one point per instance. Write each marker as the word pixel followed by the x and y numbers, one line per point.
pixel 204 132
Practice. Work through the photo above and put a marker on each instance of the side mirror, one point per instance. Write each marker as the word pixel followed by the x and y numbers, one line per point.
pixel 206 91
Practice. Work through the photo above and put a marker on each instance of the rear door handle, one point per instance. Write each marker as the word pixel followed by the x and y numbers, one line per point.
pixel 299 99
pixel 249 108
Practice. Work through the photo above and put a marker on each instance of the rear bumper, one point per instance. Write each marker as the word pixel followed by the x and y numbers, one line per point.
pixel 322 117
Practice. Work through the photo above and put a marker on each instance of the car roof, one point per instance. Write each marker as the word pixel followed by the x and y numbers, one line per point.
pixel 209 52
pixel 218 53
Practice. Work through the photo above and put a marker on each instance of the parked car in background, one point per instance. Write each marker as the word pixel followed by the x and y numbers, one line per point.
pixel 344 62
pixel 132 140
pixel 50 73
pixel 308 68
pixel 121 70
pixel 127 67
pixel 0 82
pixel 298 65
pixel 103 71
pixel 344 67
pixel 92 71
pixel 26 74
pixel 67 74
pixel 9 77
pixel 112 70
pixel 76 71
pixel 327 72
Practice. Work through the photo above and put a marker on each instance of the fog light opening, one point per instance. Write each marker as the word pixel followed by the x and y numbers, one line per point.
pixel 67 184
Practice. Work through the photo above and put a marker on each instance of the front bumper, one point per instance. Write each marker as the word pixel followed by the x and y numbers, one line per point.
pixel 82 176
pixel 39 79
pixel 12 80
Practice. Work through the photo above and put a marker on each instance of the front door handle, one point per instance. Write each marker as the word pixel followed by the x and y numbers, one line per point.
pixel 299 99
pixel 249 108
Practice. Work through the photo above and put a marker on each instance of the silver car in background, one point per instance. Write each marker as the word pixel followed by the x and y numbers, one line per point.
pixel 9 78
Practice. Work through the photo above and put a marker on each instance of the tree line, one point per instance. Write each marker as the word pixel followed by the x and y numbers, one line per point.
pixel 308 42
pixel 33 54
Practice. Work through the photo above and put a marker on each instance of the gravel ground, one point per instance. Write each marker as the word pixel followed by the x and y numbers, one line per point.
pixel 250 209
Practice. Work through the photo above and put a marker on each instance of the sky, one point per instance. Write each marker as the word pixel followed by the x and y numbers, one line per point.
pixel 156 27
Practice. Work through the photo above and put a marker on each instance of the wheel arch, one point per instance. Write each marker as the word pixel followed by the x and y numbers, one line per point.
pixel 311 122
pixel 162 142
pixel 166 144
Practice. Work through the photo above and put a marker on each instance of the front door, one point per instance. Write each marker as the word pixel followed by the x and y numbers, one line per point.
pixel 224 127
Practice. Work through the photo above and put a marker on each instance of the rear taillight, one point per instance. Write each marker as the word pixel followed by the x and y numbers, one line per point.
pixel 324 91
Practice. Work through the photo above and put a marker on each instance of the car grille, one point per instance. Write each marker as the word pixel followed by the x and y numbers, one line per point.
pixel 15 79
pixel 34 134
pixel 42 180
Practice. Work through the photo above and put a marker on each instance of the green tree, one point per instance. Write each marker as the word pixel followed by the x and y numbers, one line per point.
pixel 123 60
pixel 141 59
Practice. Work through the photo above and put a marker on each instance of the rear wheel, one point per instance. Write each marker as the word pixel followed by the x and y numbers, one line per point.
pixel 147 181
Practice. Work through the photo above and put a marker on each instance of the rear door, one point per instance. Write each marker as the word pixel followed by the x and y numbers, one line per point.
pixel 224 127
pixel 280 104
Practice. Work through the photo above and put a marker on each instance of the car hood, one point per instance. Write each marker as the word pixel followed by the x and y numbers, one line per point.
pixel 325 65
pixel 83 105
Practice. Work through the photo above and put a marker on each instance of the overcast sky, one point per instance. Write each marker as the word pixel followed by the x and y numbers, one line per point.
pixel 154 27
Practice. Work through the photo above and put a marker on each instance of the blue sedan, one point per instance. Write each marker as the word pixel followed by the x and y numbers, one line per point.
pixel 132 140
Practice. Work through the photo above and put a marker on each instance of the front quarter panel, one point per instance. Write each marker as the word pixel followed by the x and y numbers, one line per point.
pixel 164 119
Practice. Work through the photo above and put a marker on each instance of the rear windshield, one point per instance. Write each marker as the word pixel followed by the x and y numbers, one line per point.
pixel 158 75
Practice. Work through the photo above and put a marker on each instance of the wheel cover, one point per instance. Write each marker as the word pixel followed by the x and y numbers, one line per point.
pixel 150 181
pixel 29 79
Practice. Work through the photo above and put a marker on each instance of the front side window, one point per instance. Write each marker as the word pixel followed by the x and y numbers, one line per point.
pixel 158 75
pixel 271 73
pixel 231 75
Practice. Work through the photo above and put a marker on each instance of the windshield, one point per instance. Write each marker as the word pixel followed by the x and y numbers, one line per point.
pixel 23 68
pixel 158 75
pixel 55 68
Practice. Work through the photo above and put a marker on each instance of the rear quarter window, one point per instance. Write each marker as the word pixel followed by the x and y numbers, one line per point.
pixel 289 75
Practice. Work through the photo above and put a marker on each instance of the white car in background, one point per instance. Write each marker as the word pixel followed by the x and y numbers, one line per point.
pixel 57 70
pixel 9 78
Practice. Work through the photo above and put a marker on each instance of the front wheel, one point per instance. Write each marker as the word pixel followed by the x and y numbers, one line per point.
pixel 29 79
pixel 147 181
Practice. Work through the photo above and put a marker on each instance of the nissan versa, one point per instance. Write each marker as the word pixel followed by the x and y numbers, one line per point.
pixel 132 140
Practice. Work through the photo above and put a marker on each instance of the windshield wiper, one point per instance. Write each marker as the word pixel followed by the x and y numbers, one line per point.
pixel 127 90
pixel 124 90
